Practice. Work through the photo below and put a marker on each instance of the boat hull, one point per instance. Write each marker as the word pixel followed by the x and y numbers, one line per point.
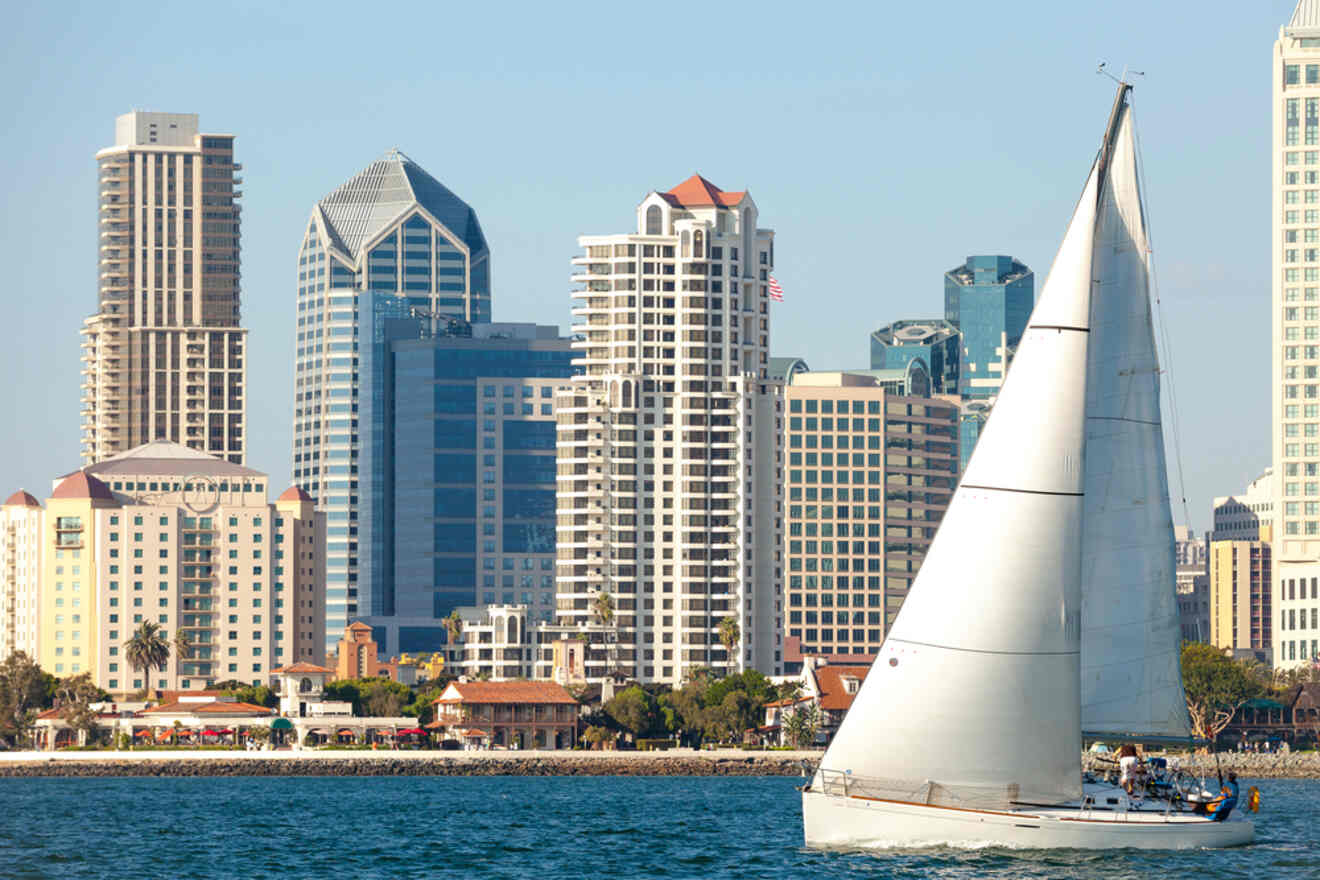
pixel 835 822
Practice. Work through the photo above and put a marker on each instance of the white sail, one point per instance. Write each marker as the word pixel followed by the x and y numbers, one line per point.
pixel 1131 683
pixel 974 698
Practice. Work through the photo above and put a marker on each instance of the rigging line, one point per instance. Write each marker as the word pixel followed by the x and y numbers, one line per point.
pixel 1164 334
pixel 1120 419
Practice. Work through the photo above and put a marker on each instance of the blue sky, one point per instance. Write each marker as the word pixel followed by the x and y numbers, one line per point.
pixel 882 142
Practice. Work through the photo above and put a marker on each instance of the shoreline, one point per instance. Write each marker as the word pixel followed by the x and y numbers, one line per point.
pixel 310 762
pixel 675 762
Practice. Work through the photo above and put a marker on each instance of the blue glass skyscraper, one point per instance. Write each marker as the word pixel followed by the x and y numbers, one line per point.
pixel 933 341
pixel 457 472
pixel 394 231
pixel 989 299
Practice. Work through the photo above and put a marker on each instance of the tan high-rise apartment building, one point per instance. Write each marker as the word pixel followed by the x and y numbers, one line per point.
pixel 21 518
pixel 163 357
pixel 870 474
pixel 1241 606
pixel 172 536
pixel 669 445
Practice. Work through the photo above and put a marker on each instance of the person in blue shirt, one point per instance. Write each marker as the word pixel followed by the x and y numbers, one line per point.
pixel 1220 807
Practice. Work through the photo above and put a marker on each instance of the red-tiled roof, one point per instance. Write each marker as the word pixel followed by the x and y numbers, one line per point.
pixel 788 702
pixel 359 625
pixel 506 692
pixel 215 707
pixel 299 668
pixel 293 493
pixel 22 499
pixel 81 484
pixel 833 695
pixel 697 191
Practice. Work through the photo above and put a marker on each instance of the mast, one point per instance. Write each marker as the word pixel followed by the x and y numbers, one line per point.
pixel 1111 133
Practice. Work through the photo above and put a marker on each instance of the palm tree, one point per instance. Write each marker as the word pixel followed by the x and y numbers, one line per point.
pixel 146 651
pixel 603 608
pixel 454 627
pixel 182 646
pixel 730 634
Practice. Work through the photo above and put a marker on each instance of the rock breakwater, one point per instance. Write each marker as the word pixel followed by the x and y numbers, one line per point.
pixel 564 764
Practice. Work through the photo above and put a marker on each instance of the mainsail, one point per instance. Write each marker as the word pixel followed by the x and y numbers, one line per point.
pixel 973 698
pixel 1131 683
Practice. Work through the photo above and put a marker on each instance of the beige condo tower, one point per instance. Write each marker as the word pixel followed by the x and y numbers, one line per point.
pixel 163 357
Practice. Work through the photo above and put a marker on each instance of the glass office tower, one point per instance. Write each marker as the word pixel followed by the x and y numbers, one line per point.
pixel 989 299
pixel 391 231
pixel 457 472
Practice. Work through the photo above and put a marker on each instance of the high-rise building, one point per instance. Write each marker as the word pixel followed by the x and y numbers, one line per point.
pixel 163 357
pixel 989 299
pixel 457 472
pixel 1295 352
pixel 669 444
pixel 1241 517
pixel 391 229
pixel 21 519
pixel 936 342
pixel 1241 615
pixel 175 537
pixel 870 474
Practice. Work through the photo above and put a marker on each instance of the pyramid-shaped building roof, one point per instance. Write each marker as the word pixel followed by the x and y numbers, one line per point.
pixel 1306 17
pixel 384 191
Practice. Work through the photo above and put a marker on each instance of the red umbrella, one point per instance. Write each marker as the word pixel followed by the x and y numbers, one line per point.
pixel 210 732
pixel 412 731
pixel 226 732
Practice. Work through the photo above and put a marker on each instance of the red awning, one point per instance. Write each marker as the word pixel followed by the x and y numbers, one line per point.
pixel 210 732
pixel 226 732
pixel 412 731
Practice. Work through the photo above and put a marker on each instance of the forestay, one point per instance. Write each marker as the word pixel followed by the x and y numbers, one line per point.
pixel 1131 681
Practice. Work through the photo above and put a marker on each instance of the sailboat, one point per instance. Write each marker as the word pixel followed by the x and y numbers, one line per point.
pixel 1044 610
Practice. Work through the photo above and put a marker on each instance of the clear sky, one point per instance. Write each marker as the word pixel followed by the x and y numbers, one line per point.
pixel 883 142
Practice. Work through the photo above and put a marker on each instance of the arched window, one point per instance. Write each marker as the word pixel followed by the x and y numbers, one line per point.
pixel 722 222
pixel 512 630
pixel 686 250
pixel 306 686
pixel 747 233
pixel 653 220
pixel 698 248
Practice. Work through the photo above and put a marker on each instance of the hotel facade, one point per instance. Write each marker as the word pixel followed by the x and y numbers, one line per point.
pixel 187 541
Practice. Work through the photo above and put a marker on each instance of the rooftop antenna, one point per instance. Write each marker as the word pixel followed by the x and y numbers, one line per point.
pixel 1121 80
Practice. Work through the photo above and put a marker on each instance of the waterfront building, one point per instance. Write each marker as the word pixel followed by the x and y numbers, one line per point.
pixel 989 299
pixel 934 341
pixel 870 474
pixel 1296 627
pixel 163 357
pixel 357 655
pixel 173 536
pixel 507 714
pixel 21 561
pixel 393 230
pixel 1241 517
pixel 1241 606
pixel 457 472
pixel 669 456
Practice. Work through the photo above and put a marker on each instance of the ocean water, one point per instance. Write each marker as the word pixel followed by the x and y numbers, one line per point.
pixel 534 827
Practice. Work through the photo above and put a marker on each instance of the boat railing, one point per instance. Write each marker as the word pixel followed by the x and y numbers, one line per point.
pixel 839 783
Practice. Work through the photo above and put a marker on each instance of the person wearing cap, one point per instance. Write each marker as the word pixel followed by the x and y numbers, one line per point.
pixel 1219 808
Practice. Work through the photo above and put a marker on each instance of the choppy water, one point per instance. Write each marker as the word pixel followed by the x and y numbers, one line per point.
pixel 542 828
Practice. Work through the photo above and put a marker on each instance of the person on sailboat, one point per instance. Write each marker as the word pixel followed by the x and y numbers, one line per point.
pixel 1129 765
pixel 1219 808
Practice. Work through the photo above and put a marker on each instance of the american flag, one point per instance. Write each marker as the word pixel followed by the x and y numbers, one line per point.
pixel 776 292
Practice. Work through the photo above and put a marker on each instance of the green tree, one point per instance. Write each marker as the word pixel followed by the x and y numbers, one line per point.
pixel 634 710
pixel 801 724
pixel 454 627
pixel 385 698
pixel 727 720
pixel 147 650
pixel 730 635
pixel 599 736
pixel 257 695
pixel 1216 686
pixel 602 607
pixel 422 706
pixel 24 690
pixel 182 645
pixel 74 697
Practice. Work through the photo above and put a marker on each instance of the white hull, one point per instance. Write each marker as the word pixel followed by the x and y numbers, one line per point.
pixel 835 822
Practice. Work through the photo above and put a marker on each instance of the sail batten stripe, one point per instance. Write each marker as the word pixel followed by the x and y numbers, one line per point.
pixel 985 651
pixel 1058 327
pixel 1022 491
pixel 1123 419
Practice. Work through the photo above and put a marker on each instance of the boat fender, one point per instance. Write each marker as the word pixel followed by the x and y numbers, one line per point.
pixel 1253 799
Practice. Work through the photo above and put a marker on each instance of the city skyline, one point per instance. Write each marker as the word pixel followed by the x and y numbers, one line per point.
pixel 827 159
